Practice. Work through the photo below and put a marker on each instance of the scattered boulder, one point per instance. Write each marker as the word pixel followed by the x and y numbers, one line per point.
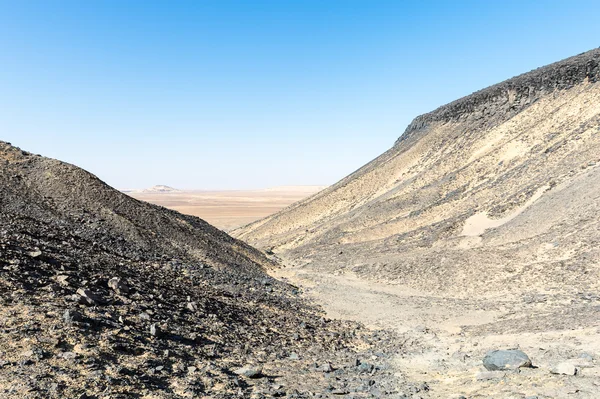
pixel 364 367
pixel 249 371
pixel 326 368
pixel 118 285
pixel 71 316
pixel 62 280
pixel 68 355
pixel 564 368
pixel 87 297
pixel 511 359
pixel 155 330
pixel 35 254
pixel 34 353
pixel 587 357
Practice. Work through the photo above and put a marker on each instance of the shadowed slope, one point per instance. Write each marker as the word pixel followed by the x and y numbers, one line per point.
pixel 102 295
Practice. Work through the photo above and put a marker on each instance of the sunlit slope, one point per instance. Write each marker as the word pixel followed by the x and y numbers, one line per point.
pixel 500 186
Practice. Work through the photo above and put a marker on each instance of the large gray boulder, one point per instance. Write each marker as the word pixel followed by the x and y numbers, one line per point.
pixel 511 359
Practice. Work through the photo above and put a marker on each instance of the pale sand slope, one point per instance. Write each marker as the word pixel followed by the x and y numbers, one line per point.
pixel 445 339
pixel 478 230
pixel 228 209
pixel 524 152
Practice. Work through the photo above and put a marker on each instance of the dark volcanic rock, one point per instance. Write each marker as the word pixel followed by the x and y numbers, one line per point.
pixel 506 360
pixel 118 285
pixel 127 299
pixel 512 96
pixel 249 371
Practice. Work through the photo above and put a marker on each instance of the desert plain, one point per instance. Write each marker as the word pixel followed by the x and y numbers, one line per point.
pixel 226 209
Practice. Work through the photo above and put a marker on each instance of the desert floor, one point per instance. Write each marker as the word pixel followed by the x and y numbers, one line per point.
pixel 444 339
pixel 229 209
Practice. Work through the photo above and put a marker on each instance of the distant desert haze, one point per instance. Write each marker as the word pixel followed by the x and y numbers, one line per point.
pixel 226 209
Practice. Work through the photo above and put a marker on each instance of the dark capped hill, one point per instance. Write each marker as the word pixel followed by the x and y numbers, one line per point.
pixel 47 189
pixel 502 101
pixel 496 191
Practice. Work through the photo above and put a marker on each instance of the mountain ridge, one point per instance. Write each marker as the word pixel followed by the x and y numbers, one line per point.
pixel 517 92
pixel 399 218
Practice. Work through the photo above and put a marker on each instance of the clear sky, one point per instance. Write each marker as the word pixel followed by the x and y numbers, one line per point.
pixel 250 94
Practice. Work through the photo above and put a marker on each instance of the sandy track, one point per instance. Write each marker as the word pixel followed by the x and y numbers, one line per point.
pixel 445 338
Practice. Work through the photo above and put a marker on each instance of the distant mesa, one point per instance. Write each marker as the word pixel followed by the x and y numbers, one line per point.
pixel 161 189
pixel 154 190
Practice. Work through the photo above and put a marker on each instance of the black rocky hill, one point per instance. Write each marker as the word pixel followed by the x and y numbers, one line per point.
pixel 106 296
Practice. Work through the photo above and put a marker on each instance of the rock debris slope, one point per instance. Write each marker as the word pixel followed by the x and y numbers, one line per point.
pixel 104 296
pixel 497 191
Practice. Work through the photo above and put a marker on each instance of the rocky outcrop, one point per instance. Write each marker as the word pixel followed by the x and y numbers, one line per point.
pixel 500 102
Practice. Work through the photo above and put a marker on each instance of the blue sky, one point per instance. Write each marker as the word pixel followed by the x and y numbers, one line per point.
pixel 250 94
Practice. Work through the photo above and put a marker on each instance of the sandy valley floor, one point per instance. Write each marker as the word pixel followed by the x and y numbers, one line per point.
pixel 445 338
pixel 229 209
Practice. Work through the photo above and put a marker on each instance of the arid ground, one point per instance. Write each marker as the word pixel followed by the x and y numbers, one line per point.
pixel 228 209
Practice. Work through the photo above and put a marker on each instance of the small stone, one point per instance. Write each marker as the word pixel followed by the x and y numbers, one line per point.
pixel 340 391
pixel 489 375
pixel 68 355
pixel 365 367
pixel 511 359
pixel 587 357
pixel 62 280
pixel 155 330
pixel 35 254
pixel 565 368
pixel 87 297
pixel 34 353
pixel 192 306
pixel 294 356
pixel 117 285
pixel 326 368
pixel 71 316
pixel 191 369
pixel 249 371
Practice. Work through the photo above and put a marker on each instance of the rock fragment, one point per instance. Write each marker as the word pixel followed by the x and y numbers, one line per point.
pixel 118 285
pixel 62 280
pixel 511 359
pixel 249 371
pixel 155 330
pixel 35 254
pixel 587 357
pixel 564 368
pixel 87 297
pixel 326 367
pixel 364 367
pixel 71 316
